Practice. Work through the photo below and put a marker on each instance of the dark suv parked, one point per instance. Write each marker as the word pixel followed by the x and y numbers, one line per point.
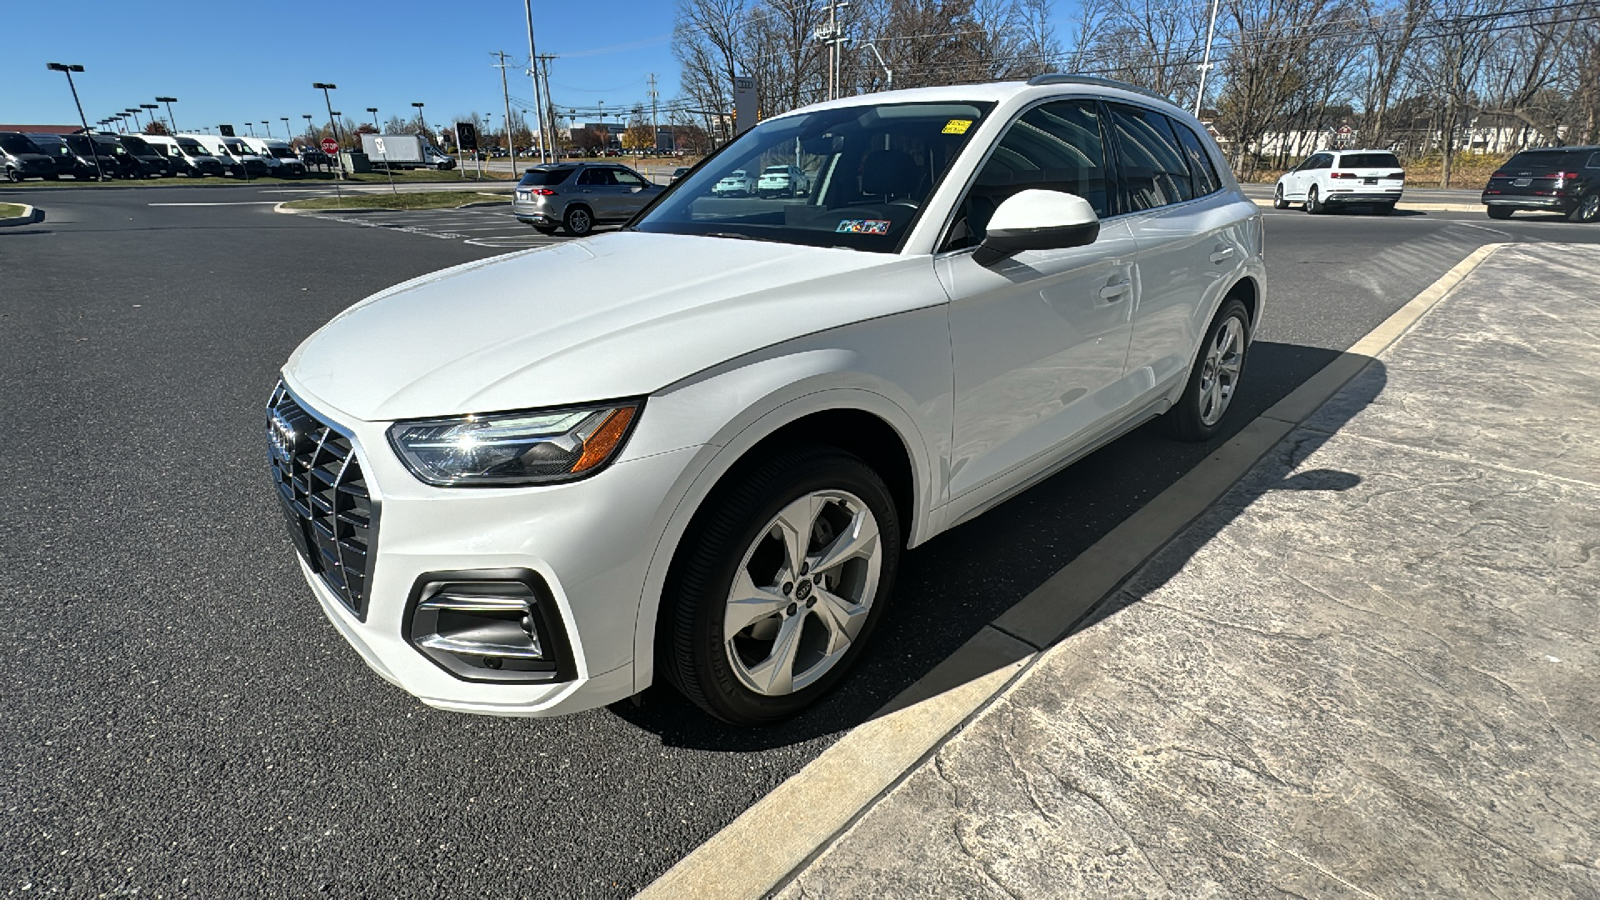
pixel 22 158
pixel 1557 179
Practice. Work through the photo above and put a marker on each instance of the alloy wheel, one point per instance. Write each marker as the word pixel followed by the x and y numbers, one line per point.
pixel 1219 374
pixel 1590 210
pixel 802 592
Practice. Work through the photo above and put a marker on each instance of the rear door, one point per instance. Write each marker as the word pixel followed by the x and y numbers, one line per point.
pixel 597 188
pixel 1189 238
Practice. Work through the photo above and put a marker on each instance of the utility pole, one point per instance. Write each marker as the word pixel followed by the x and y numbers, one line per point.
pixel 832 34
pixel 548 105
pixel 1205 67
pixel 505 92
pixel 655 129
pixel 533 74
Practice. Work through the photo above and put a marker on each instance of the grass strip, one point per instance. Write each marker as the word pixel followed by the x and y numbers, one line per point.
pixel 11 210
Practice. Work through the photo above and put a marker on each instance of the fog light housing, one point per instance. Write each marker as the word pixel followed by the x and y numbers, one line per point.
pixel 491 625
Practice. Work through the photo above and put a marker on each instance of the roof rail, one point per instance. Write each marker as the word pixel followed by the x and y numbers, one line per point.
pixel 1068 78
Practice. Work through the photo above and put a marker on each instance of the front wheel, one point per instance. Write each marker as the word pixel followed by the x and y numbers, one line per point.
pixel 1587 210
pixel 1214 378
pixel 13 176
pixel 778 584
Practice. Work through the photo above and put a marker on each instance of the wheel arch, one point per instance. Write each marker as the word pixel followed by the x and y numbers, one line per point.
pixel 863 422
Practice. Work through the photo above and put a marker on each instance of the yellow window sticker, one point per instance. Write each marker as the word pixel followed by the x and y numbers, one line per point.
pixel 957 126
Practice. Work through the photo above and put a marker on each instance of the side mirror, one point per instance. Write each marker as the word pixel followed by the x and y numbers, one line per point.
pixel 1037 220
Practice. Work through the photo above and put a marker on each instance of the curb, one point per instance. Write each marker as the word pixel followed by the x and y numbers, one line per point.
pixel 772 841
pixel 1413 207
pixel 27 218
pixel 283 207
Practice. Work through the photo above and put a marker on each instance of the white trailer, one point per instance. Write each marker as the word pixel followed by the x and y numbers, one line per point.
pixel 403 151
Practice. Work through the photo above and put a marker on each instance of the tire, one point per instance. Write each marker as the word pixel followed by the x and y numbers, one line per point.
pixel 1588 208
pixel 13 176
pixel 53 176
pixel 579 221
pixel 1384 209
pixel 1313 203
pixel 787 655
pixel 1196 417
pixel 1277 199
pixel 546 230
pixel 1499 212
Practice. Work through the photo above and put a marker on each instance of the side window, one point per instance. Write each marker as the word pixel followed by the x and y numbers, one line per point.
pixel 1152 170
pixel 626 178
pixel 1206 180
pixel 1054 147
pixel 591 176
pixel 1324 161
pixel 1594 160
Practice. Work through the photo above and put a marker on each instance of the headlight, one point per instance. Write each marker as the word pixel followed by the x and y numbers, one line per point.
pixel 504 449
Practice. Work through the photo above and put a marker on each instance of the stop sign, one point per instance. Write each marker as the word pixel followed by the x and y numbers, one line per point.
pixel 330 146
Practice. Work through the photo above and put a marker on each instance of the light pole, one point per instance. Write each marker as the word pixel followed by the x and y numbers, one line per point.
pixel 69 69
pixel 287 135
pixel 1205 66
pixel 150 110
pixel 886 70
pixel 170 119
pixel 422 122
pixel 333 121
pixel 374 111
pixel 135 114
pixel 268 126
pixel 307 117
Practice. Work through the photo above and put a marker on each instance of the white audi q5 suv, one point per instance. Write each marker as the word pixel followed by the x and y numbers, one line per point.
pixel 515 494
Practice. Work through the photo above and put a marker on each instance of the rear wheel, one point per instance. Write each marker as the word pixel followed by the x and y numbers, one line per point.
pixel 1313 203
pixel 1214 378
pixel 1277 199
pixel 1587 210
pixel 1499 212
pixel 1384 209
pixel 778 585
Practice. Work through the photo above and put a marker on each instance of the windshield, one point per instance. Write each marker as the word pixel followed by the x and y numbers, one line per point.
pixel 238 148
pixel 543 177
pixel 861 176
pixel 191 147
pixel 138 146
pixel 1538 159
pixel 282 152
pixel 1369 161
pixel 16 143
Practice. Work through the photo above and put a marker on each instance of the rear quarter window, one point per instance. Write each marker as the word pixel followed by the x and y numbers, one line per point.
pixel 1369 161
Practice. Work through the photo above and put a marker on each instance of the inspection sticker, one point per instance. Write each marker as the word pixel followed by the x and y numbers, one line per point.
pixel 957 126
pixel 863 226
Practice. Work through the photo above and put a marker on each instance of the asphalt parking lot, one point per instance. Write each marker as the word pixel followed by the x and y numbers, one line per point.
pixel 183 721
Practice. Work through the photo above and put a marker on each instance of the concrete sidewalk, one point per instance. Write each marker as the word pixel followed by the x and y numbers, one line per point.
pixel 1371 670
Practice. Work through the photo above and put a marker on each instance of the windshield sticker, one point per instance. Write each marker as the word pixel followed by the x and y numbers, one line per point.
pixel 863 226
pixel 957 126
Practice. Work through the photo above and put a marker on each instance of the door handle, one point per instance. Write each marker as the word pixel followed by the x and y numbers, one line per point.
pixel 1114 291
pixel 1222 254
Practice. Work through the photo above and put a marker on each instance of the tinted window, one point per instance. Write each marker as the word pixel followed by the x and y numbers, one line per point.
pixel 1547 160
pixel 1149 164
pixel 1205 173
pixel 625 177
pixel 1054 147
pixel 594 176
pixel 136 145
pixel 1369 161
pixel 1594 161
pixel 16 143
pixel 544 177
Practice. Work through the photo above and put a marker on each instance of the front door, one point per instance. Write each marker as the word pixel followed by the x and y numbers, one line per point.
pixel 1039 340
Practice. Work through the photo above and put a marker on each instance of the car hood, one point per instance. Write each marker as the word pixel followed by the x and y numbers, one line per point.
pixel 618 315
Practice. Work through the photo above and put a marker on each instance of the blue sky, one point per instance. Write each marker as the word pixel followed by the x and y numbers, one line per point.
pixel 236 62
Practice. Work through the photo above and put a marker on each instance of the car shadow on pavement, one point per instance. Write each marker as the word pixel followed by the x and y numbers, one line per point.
pixel 951 588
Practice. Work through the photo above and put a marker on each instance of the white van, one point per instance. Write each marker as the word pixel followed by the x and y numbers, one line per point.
pixel 238 159
pixel 280 158
pixel 186 155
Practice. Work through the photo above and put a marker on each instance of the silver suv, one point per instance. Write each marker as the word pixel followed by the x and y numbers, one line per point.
pixel 579 196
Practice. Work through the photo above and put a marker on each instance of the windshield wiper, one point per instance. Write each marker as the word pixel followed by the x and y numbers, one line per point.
pixel 740 237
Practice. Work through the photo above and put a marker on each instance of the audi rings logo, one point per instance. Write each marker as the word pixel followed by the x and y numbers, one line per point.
pixel 281 434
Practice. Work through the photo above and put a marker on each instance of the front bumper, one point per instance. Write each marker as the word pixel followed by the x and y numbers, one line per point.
pixel 590 542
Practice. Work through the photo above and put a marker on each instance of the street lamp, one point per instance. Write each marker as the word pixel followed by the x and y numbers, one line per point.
pixel 150 109
pixel 374 111
pixel 68 69
pixel 134 112
pixel 286 135
pixel 421 121
pixel 307 117
pixel 170 119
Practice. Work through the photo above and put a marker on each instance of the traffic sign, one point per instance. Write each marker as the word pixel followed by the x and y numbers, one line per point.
pixel 1345 129
pixel 330 146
